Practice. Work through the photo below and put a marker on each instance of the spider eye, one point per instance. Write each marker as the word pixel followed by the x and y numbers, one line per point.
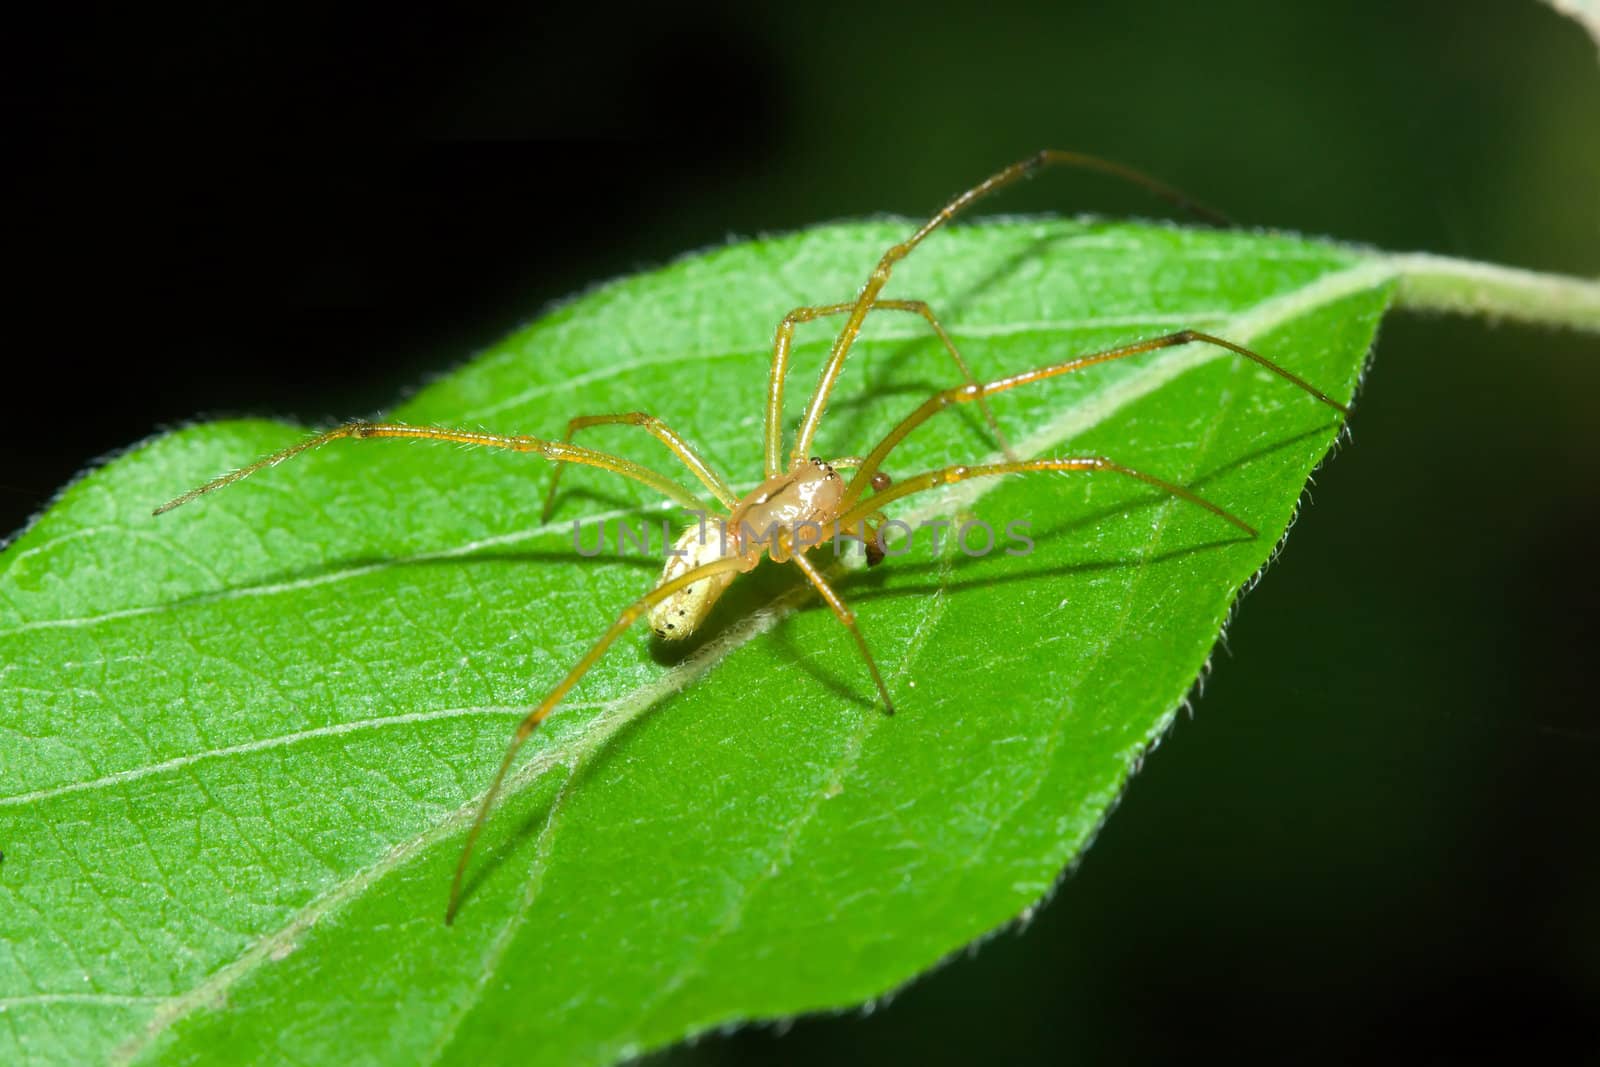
pixel 880 481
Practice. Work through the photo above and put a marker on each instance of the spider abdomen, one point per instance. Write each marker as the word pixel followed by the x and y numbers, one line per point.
pixel 679 615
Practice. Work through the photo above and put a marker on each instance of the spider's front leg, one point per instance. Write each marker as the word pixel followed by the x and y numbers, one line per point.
pixel 1076 464
pixel 867 472
pixel 783 343
pixel 868 298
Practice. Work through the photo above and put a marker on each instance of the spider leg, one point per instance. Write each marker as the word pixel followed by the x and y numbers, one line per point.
pixel 784 340
pixel 963 394
pixel 880 274
pixel 842 612
pixel 531 721
pixel 558 451
pixel 950 475
pixel 662 432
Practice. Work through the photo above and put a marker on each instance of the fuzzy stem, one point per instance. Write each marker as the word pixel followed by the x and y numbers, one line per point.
pixel 1459 286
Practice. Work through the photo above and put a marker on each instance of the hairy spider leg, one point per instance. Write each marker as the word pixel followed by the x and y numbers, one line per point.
pixel 880 274
pixel 964 394
pixel 933 479
pixel 555 450
pixel 842 612
pixel 950 475
pixel 781 348
pixel 531 721
pixel 662 432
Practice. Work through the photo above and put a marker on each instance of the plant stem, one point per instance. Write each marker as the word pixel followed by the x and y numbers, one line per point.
pixel 1460 286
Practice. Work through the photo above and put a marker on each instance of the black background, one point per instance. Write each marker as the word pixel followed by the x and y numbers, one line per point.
pixel 1379 835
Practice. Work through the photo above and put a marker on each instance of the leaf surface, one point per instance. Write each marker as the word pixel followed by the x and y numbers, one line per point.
pixel 240 743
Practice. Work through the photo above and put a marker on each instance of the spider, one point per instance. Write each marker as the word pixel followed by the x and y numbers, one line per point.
pixel 803 493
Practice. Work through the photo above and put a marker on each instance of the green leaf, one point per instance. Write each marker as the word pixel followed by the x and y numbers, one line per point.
pixel 240 743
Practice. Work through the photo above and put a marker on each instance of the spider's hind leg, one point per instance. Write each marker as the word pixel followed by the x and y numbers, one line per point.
pixel 530 722
pixel 663 433
pixel 560 452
